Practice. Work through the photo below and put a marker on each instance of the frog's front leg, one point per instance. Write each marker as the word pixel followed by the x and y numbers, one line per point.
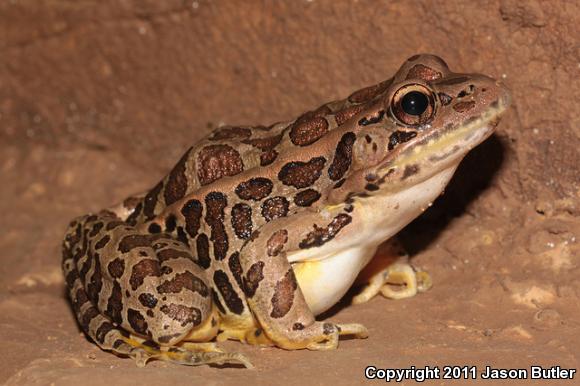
pixel 391 274
pixel 272 290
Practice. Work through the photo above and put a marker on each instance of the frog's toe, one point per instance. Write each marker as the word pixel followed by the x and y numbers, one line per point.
pixel 196 358
pixel 398 281
pixel 332 332
pixel 370 290
pixel 330 343
pixel 187 353
pixel 355 329
pixel 403 281
pixel 424 281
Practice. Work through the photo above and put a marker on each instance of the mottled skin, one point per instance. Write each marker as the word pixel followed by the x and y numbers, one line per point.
pixel 258 229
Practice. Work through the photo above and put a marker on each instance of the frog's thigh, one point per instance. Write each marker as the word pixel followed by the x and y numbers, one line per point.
pixel 391 269
pixel 272 290
pixel 139 295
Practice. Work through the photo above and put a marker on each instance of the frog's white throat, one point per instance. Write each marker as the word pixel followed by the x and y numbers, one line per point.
pixel 326 275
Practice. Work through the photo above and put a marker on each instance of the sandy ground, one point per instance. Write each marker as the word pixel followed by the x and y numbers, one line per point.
pixel 99 99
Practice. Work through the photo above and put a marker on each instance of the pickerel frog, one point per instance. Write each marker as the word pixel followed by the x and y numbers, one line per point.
pixel 257 230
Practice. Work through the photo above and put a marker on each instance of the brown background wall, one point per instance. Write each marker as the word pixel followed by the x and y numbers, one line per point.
pixel 99 98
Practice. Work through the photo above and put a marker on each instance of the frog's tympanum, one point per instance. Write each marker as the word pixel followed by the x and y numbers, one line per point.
pixel 256 230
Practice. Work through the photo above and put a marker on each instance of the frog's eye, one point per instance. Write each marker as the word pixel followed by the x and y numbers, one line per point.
pixel 413 105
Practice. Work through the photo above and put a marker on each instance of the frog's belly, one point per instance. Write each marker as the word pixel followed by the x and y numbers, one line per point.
pixel 324 282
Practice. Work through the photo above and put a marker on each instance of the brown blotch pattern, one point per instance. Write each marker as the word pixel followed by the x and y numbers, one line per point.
pixel 423 72
pixel 253 278
pixel 116 268
pixel 87 316
pixel 302 174
pixel 462 107
pixel 275 207
pixel 230 132
pixel 95 285
pixel 170 223
pixel 102 331
pixel 215 203
pixel 176 185
pixel 306 132
pixel 320 236
pixel 96 229
pixel 267 157
pixel 185 280
pixel 276 242
pixel 345 114
pixel 148 300
pixel 297 327
pixel 368 93
pixel 342 157
pixel 236 268
pixel 144 268
pixel 137 322
pixel 183 314
pixel 233 301
pixel 168 254
pixel 266 143
pixel 254 189
pixel 400 137
pixel 192 211
pixel 410 170
pixel 284 295
pixel 217 161
pixel 154 228
pixel 306 197
pixel 202 245
pixel 217 302
pixel 242 221
pixel 135 241
pixel 102 242
pixel 115 304
pixel 150 201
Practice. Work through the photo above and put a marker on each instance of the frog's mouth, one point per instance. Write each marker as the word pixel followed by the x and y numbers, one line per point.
pixel 434 151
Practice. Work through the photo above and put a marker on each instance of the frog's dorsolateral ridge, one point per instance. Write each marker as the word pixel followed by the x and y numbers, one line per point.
pixel 258 229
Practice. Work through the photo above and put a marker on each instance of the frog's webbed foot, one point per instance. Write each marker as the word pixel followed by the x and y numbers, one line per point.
pixel 398 281
pixel 187 353
pixel 332 332
pixel 317 336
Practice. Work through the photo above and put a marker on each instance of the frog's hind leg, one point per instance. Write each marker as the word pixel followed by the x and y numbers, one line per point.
pixel 391 275
pixel 138 295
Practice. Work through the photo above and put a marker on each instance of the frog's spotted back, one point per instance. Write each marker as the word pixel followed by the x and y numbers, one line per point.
pixel 258 229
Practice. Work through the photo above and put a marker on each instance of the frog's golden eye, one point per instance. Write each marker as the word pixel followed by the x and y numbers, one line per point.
pixel 413 105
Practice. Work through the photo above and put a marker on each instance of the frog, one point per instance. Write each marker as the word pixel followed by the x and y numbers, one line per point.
pixel 258 230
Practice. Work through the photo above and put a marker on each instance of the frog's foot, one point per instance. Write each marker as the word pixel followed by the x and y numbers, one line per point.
pixel 185 353
pixel 335 331
pixel 318 336
pixel 397 281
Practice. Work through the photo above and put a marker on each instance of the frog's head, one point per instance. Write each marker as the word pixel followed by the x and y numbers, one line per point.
pixel 422 125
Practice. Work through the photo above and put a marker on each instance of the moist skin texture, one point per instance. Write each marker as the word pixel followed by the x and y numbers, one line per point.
pixel 258 229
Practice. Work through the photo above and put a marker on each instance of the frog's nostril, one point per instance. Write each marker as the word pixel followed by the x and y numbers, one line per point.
pixel 466 91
